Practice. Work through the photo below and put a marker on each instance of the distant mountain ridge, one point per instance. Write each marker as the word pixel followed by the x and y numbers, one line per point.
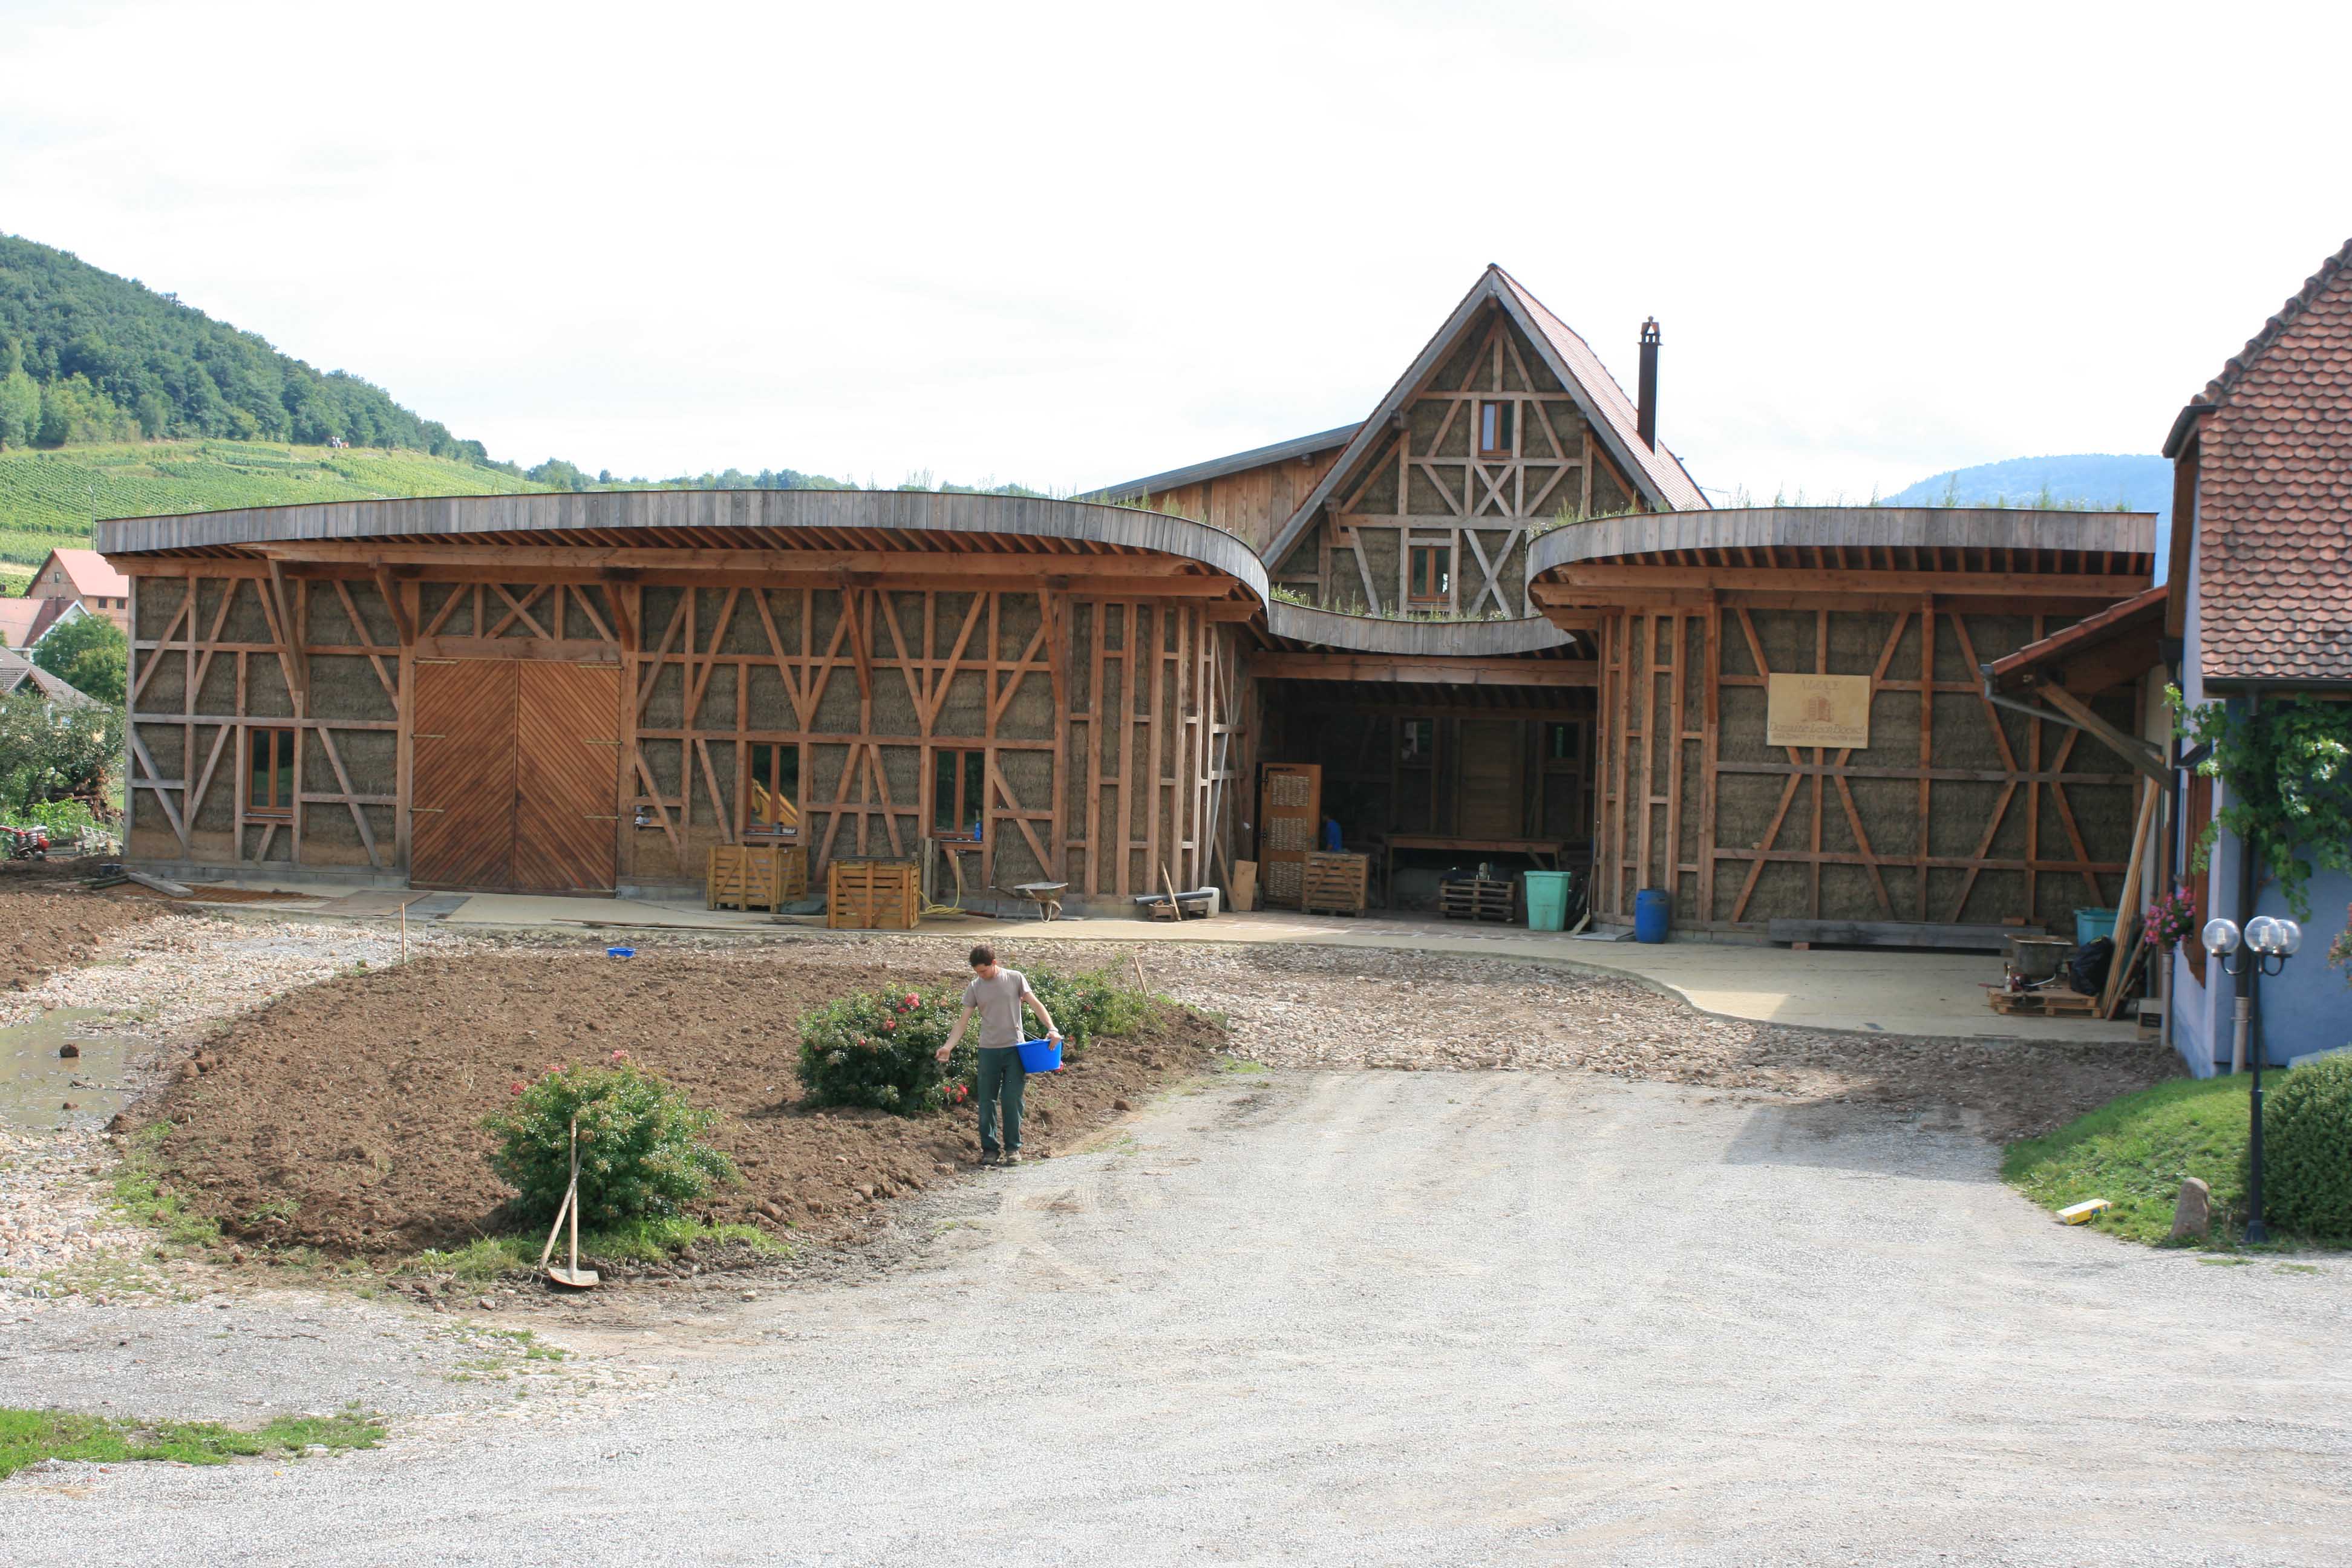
pixel 2096 481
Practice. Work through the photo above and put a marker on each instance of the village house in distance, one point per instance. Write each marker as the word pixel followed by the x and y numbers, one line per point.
pixel 1497 621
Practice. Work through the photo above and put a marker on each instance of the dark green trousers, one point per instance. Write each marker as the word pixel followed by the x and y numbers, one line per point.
pixel 1001 1079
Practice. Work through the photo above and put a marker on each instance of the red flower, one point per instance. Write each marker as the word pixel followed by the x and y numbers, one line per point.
pixel 620 1056
pixel 912 1002
pixel 514 1089
pixel 888 1025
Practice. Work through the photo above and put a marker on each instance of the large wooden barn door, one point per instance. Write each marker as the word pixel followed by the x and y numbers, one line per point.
pixel 461 832
pixel 567 739
pixel 515 775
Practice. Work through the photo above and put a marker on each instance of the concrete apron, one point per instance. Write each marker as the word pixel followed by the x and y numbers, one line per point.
pixel 1934 995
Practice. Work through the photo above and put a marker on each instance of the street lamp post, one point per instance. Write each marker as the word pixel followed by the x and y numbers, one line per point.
pixel 2269 943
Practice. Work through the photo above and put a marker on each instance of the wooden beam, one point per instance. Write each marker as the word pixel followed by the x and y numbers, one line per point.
pixel 2143 756
pixel 602 558
pixel 2004 584
pixel 1425 669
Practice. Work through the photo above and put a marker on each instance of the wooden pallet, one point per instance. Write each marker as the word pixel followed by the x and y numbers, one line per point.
pixel 872 895
pixel 1335 884
pixel 2052 1004
pixel 1474 899
pixel 755 876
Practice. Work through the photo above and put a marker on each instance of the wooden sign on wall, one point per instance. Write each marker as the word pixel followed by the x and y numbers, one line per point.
pixel 1817 711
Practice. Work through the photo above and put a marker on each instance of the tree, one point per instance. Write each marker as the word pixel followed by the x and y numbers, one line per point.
pixel 20 399
pixel 89 654
pixel 48 751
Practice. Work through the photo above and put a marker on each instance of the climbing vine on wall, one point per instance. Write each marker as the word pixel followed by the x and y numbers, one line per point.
pixel 2286 774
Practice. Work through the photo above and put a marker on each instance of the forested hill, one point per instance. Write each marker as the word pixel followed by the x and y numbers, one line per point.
pixel 2098 481
pixel 86 356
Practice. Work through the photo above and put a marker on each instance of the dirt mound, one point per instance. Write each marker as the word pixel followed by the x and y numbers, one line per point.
pixel 48 923
pixel 348 1116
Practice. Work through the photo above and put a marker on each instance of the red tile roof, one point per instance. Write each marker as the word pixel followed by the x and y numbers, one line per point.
pixel 1664 469
pixel 23 620
pixel 89 574
pixel 2274 495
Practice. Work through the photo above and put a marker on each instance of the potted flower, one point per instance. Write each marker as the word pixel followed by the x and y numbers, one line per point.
pixel 2170 918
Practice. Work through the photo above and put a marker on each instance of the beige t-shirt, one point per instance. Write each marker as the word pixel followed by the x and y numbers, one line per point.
pixel 999 1002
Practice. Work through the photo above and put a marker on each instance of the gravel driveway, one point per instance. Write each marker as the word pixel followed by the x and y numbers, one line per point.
pixel 1380 1317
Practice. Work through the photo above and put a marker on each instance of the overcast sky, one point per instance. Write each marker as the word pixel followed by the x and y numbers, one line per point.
pixel 1068 245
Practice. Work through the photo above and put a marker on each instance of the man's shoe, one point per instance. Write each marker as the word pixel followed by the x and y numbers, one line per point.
pixel 987 1157
pixel 1012 1158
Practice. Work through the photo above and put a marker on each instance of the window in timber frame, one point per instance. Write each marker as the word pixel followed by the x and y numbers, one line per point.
pixel 958 794
pixel 770 797
pixel 1431 574
pixel 1495 429
pixel 270 774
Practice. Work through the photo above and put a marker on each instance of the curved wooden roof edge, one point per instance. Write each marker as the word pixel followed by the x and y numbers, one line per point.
pixel 917 511
pixel 1847 527
pixel 1374 634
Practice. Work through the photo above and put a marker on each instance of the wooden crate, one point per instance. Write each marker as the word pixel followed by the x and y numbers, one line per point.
pixel 756 876
pixel 1475 899
pixel 1335 884
pixel 873 895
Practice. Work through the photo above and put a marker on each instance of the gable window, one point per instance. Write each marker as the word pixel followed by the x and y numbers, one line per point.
pixel 1431 575
pixel 270 774
pixel 1417 740
pixel 956 793
pixel 1495 429
pixel 769 811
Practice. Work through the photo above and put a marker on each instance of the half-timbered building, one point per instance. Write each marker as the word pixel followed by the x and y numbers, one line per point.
pixel 1496 621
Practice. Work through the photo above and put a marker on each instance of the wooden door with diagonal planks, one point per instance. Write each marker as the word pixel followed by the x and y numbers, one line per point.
pixel 461 825
pixel 567 754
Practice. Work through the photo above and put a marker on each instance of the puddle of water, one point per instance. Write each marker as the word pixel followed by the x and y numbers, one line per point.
pixel 36 1082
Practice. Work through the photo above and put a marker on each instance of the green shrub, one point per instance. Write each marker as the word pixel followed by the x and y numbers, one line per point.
pixel 2308 1151
pixel 640 1152
pixel 879 1049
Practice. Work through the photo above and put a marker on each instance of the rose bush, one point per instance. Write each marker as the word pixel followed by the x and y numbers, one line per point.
pixel 640 1152
pixel 880 1049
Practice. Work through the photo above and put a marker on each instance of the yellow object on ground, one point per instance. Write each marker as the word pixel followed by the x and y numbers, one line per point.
pixel 2075 1214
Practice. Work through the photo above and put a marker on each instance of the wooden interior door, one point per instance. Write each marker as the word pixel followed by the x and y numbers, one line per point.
pixel 567 742
pixel 1488 797
pixel 461 808
pixel 1289 815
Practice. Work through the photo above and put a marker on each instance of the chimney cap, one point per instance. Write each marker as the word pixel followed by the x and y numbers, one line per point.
pixel 1650 331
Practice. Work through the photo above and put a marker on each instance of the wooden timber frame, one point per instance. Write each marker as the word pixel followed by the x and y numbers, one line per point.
pixel 1956 811
pixel 1081 658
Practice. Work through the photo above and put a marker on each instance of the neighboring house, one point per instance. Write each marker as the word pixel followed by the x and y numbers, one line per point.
pixel 24 622
pixel 84 577
pixel 19 674
pixel 2261 572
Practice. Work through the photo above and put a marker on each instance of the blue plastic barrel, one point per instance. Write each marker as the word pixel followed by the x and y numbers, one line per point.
pixel 1652 911
pixel 1041 1055
pixel 1547 901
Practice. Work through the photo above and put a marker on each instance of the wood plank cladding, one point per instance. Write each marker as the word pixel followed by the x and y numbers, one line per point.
pixel 1956 812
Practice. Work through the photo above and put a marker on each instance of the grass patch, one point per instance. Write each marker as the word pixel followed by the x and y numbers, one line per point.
pixel 140 1194
pixel 29 1437
pixel 636 1241
pixel 2136 1150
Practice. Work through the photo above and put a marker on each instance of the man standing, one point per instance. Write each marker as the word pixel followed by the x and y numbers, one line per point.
pixel 998 993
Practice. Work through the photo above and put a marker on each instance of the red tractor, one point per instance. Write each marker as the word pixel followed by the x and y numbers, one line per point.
pixel 25 843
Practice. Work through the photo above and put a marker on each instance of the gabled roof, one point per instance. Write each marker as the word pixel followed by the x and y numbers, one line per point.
pixel 2273 514
pixel 1657 473
pixel 16 672
pixel 24 622
pixel 88 572
pixel 1218 468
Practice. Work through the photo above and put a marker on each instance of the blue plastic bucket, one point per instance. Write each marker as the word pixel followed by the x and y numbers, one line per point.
pixel 1652 913
pixel 1041 1055
pixel 2089 925
pixel 1547 901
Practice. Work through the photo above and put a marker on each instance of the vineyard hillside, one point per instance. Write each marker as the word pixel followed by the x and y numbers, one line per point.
pixel 49 498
